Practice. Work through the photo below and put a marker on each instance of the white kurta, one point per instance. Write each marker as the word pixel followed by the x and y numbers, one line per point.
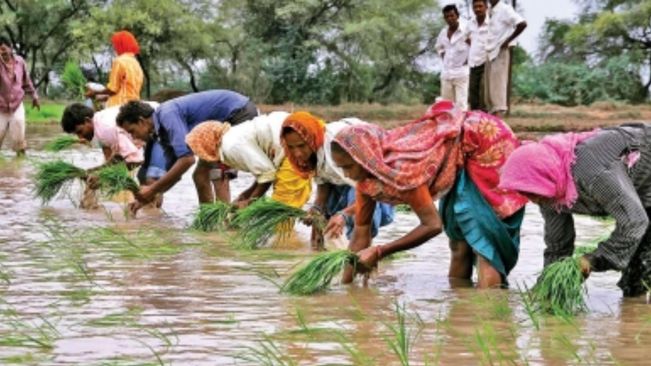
pixel 254 146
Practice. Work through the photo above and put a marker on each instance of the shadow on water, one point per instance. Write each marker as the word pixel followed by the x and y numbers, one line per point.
pixel 95 288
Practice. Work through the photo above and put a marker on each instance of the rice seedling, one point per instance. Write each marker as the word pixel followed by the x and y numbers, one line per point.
pixel 529 305
pixel 267 353
pixel 115 178
pixel 357 356
pixel 54 177
pixel 560 288
pixel 42 334
pixel 61 143
pixel 317 274
pixel 261 220
pixel 212 216
pixel 402 208
pixel 402 337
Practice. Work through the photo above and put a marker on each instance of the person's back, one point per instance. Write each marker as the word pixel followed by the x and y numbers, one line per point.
pixel 195 108
pixel 126 80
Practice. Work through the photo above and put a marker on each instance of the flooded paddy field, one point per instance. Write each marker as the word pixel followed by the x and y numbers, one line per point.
pixel 95 288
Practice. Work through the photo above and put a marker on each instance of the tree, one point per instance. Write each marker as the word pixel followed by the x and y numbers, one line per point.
pixel 606 29
pixel 40 31
pixel 167 30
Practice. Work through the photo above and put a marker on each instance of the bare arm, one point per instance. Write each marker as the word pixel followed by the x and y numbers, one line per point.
pixel 518 30
pixel 168 180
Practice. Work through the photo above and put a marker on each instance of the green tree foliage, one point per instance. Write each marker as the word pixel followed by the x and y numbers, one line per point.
pixel 606 30
pixel 40 31
pixel 574 83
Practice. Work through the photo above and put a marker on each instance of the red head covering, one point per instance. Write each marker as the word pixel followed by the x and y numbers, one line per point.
pixel 125 42
pixel 407 156
pixel 312 131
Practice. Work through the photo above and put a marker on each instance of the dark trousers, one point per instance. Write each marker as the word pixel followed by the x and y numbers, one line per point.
pixel 476 99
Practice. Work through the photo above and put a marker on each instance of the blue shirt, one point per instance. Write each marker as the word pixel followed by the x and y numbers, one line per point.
pixel 174 119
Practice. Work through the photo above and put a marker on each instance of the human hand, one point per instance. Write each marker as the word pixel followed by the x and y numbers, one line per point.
pixel 36 104
pixel 316 239
pixel 92 182
pixel 586 268
pixel 134 207
pixel 242 203
pixel 368 259
pixel 505 45
pixel 145 195
pixel 335 226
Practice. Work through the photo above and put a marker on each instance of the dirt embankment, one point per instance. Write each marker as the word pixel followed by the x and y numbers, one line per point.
pixel 523 118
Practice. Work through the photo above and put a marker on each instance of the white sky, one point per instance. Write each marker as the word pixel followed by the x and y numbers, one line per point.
pixel 535 12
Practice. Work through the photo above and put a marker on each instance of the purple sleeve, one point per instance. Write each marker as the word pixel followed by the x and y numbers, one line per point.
pixel 28 87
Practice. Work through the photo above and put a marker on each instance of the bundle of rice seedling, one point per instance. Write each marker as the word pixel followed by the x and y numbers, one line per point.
pixel 61 143
pixel 261 220
pixel 317 274
pixel 560 288
pixel 212 216
pixel 55 176
pixel 115 178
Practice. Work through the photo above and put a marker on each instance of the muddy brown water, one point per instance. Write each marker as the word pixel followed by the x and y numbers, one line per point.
pixel 93 288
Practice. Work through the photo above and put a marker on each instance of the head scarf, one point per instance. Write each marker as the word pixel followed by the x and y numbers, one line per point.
pixel 544 168
pixel 310 129
pixel 408 156
pixel 125 42
pixel 206 138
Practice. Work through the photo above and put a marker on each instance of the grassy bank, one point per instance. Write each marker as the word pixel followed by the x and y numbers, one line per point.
pixel 524 117
pixel 50 112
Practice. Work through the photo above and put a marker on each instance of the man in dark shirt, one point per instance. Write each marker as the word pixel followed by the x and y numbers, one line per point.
pixel 170 123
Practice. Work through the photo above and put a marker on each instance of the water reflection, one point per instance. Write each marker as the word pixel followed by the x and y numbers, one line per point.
pixel 190 299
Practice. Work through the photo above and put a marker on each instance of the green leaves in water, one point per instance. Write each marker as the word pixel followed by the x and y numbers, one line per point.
pixel 61 143
pixel 55 176
pixel 212 216
pixel 560 289
pixel 317 274
pixel 115 178
pixel 261 220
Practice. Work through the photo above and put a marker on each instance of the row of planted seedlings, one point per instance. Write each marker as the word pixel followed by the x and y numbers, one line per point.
pixel 267 221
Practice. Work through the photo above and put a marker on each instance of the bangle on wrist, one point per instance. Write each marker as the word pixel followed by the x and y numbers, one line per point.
pixel 318 209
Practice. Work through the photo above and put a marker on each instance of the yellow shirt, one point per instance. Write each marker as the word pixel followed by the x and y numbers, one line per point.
pixel 125 80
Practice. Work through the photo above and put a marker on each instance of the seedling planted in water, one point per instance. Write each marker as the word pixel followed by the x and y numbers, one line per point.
pixel 317 274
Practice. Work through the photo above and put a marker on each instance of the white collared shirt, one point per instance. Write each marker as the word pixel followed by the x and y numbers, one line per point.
pixel 479 38
pixel 454 51
pixel 503 20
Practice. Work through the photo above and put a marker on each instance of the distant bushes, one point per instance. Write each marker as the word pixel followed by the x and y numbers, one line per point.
pixel 571 84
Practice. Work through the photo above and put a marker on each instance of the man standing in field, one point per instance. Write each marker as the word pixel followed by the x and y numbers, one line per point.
pixel 452 46
pixel 14 83
pixel 505 26
pixel 478 56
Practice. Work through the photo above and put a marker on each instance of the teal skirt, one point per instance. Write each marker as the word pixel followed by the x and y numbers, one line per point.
pixel 467 216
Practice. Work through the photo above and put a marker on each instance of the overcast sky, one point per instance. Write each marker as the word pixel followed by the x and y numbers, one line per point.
pixel 536 11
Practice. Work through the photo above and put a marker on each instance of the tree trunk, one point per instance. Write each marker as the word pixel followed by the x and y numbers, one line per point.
pixel 145 70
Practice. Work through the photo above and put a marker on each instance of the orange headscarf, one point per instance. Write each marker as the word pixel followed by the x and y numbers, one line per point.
pixel 312 131
pixel 124 41
pixel 206 138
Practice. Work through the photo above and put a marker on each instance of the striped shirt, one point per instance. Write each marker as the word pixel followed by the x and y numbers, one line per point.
pixel 125 80
pixel 606 186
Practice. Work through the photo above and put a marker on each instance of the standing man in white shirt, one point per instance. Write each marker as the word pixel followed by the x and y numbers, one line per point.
pixel 505 25
pixel 478 55
pixel 452 46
